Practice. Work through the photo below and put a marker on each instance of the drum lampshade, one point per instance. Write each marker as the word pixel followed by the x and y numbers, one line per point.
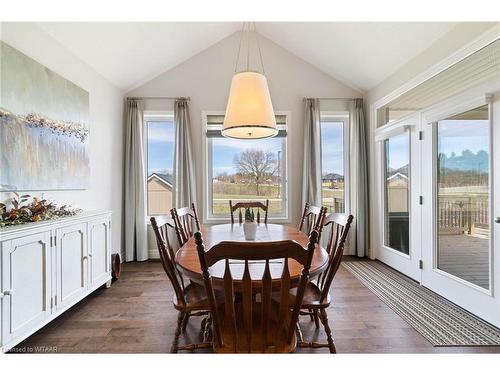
pixel 249 111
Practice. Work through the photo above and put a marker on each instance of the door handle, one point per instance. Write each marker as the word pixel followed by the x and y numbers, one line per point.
pixel 6 293
pixel 497 220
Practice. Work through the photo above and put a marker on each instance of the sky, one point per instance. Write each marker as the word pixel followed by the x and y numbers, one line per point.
pixel 397 149
pixel 332 147
pixel 161 148
pixel 458 135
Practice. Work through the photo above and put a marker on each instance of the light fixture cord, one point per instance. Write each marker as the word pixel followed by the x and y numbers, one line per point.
pixel 257 39
pixel 248 47
pixel 239 48
pixel 258 47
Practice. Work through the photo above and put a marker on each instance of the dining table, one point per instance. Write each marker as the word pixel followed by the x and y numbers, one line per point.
pixel 187 260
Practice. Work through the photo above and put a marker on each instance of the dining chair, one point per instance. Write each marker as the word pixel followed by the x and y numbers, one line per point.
pixel 246 318
pixel 312 218
pixel 255 205
pixel 183 221
pixel 316 297
pixel 190 300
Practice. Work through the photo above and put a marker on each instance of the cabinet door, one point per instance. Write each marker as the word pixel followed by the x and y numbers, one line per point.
pixel 26 281
pixel 72 264
pixel 99 251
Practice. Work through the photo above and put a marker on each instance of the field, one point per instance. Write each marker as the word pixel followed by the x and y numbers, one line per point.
pixel 333 199
pixel 238 192
pixel 333 196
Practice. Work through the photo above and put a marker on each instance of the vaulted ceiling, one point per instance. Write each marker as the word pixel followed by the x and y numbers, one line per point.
pixel 359 54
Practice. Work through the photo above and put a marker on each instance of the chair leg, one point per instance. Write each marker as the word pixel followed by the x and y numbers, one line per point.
pixel 324 319
pixel 316 318
pixel 175 343
pixel 185 322
pixel 311 312
pixel 298 331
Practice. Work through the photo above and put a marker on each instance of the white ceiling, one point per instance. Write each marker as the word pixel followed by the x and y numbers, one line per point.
pixel 131 53
pixel 359 54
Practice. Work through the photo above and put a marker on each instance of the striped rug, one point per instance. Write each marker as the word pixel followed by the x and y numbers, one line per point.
pixel 441 322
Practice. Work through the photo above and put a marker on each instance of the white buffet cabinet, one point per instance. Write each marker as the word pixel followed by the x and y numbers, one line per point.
pixel 47 267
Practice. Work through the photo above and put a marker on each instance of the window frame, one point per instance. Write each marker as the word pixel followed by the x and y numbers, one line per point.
pixel 345 118
pixel 208 217
pixel 147 116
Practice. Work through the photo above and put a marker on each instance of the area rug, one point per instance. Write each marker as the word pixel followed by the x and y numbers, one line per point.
pixel 441 322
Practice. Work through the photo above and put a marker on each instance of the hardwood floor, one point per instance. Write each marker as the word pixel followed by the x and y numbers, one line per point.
pixel 136 315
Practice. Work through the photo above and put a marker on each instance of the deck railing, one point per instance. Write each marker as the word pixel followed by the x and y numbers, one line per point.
pixel 463 213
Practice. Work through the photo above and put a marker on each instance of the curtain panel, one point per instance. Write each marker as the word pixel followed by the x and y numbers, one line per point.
pixel 185 186
pixel 359 233
pixel 311 187
pixel 134 195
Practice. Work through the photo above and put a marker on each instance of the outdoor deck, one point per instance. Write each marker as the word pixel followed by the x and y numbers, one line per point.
pixel 466 257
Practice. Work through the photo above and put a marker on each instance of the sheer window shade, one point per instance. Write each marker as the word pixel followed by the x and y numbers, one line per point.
pixel 480 67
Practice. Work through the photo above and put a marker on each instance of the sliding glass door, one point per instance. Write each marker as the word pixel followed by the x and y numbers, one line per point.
pixel 399 166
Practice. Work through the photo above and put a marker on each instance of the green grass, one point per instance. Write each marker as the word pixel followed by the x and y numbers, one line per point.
pixel 221 208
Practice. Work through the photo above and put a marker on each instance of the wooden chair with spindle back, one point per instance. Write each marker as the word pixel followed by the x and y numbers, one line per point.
pixel 183 221
pixel 242 322
pixel 317 294
pixel 312 218
pixel 254 205
pixel 190 300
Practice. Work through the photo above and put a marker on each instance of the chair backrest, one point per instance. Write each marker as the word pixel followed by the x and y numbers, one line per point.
pixel 254 205
pixel 183 221
pixel 273 308
pixel 339 228
pixel 161 226
pixel 312 219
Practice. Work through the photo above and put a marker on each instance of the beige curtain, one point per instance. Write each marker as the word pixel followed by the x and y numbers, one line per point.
pixel 311 187
pixel 359 233
pixel 185 188
pixel 134 194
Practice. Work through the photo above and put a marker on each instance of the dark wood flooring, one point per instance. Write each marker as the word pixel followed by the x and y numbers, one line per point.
pixel 136 315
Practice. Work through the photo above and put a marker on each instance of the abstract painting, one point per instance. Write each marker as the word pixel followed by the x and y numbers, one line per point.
pixel 44 127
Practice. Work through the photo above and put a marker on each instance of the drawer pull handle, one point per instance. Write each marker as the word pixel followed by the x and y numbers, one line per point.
pixel 7 293
pixel 85 257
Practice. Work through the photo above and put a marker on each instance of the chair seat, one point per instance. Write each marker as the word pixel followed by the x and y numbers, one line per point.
pixel 257 336
pixel 312 296
pixel 195 297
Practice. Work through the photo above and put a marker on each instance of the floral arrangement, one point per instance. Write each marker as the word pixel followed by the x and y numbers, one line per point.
pixel 249 215
pixel 34 120
pixel 23 210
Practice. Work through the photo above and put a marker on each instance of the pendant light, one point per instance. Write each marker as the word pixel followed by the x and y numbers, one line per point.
pixel 249 111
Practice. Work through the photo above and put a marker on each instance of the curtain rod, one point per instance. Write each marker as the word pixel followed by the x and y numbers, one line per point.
pixel 344 99
pixel 158 97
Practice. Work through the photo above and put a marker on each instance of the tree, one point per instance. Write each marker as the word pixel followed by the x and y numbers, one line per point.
pixel 256 165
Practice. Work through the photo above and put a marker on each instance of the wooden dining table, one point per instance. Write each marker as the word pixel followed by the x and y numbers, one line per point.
pixel 188 262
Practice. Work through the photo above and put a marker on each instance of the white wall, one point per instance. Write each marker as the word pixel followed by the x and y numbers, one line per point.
pixel 206 78
pixel 455 39
pixel 106 117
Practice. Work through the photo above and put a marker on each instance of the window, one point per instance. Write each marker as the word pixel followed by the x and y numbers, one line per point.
pixel 245 170
pixel 397 192
pixel 333 161
pixel 159 162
